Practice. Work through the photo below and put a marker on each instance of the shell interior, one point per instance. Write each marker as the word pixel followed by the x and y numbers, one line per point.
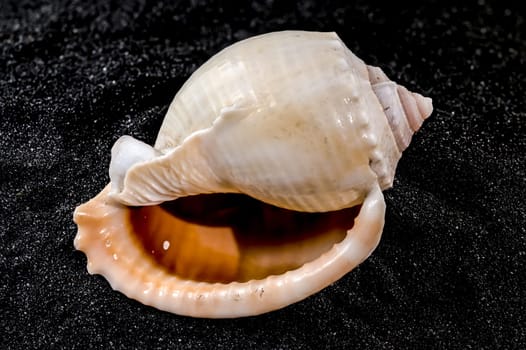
pixel 232 237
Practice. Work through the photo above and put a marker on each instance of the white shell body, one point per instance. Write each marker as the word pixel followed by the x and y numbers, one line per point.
pixel 293 119
pixel 289 118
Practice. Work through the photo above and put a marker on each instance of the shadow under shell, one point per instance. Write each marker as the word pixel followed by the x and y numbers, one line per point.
pixel 232 237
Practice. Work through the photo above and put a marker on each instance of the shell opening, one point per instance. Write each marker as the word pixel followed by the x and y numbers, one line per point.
pixel 123 244
pixel 230 237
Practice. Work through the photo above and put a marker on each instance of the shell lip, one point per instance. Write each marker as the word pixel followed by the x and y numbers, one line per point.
pixel 112 253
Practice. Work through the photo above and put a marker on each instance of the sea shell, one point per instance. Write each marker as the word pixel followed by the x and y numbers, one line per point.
pixel 264 184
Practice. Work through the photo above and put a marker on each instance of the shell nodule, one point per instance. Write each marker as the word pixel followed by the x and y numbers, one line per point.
pixel 264 184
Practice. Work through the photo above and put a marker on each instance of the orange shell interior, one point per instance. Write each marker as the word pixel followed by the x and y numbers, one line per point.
pixel 231 237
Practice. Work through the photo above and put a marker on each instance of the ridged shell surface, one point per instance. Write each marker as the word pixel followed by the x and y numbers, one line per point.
pixel 289 118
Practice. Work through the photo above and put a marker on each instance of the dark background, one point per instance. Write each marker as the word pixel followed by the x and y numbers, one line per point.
pixel 450 269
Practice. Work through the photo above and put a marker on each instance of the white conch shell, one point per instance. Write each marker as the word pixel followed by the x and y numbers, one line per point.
pixel 293 119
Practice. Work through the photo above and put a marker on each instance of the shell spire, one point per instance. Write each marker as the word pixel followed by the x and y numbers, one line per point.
pixel 405 110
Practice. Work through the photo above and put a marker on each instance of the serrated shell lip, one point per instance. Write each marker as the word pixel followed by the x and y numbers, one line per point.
pixel 120 262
